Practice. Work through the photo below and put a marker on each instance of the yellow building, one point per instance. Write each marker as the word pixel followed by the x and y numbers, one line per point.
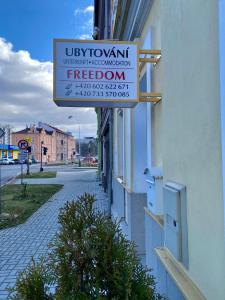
pixel 164 163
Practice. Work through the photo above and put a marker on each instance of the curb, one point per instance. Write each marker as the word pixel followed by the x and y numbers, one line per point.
pixel 85 168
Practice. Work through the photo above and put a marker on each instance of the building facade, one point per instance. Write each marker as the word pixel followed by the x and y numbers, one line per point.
pixel 102 26
pixel 167 166
pixel 61 145
pixel 9 151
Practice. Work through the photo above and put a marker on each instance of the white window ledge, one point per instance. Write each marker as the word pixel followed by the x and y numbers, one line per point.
pixel 120 181
pixel 187 287
pixel 156 218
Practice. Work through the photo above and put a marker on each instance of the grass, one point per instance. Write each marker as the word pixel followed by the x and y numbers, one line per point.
pixel 19 202
pixel 39 175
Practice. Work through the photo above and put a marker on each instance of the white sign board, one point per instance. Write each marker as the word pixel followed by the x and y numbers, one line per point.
pixel 95 73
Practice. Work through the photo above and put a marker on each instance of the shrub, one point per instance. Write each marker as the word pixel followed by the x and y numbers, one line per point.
pixel 32 283
pixel 89 259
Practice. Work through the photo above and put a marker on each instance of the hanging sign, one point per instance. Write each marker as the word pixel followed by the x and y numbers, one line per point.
pixel 95 73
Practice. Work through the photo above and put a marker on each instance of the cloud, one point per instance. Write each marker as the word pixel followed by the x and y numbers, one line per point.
pixel 84 36
pixel 88 9
pixel 26 94
pixel 85 28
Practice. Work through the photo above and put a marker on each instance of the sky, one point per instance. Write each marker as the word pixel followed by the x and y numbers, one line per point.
pixel 27 28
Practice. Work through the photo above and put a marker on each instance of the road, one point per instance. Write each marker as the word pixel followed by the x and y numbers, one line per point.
pixel 9 172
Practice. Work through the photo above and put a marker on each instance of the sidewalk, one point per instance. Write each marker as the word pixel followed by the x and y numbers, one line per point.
pixel 19 244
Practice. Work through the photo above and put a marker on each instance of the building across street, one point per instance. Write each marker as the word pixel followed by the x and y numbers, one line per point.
pixel 60 145
pixel 9 151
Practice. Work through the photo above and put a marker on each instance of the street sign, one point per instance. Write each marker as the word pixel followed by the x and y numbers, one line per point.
pixel 22 155
pixel 23 144
pixel 96 73
pixel 24 152
pixel 28 139
pixel 2 132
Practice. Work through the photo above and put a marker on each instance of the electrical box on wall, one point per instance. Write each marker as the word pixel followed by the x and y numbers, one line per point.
pixel 154 195
pixel 155 190
pixel 175 220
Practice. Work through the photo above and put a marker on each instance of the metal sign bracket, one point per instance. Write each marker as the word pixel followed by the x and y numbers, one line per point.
pixel 154 58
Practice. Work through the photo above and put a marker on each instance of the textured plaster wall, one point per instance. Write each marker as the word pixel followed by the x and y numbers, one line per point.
pixel 153 29
pixel 191 131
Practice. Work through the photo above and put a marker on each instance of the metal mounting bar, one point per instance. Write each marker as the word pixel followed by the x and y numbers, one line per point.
pixel 153 100
pixel 150 97
pixel 150 52
pixel 154 95
pixel 151 60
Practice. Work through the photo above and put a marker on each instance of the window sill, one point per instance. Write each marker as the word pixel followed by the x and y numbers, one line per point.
pixel 187 287
pixel 156 218
pixel 121 182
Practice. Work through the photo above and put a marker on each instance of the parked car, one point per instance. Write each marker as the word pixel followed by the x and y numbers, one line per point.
pixel 34 160
pixel 5 161
pixel 11 161
pixel 16 161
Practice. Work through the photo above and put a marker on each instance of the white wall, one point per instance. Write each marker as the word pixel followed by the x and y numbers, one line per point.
pixel 222 84
pixel 151 39
pixel 191 132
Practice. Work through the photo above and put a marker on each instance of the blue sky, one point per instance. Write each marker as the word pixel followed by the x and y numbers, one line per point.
pixel 31 25
pixel 27 28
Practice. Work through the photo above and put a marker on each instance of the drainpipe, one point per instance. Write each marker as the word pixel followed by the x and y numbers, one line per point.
pixel 111 157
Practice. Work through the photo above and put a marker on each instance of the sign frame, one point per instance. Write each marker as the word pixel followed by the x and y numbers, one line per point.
pixel 88 102
pixel 24 142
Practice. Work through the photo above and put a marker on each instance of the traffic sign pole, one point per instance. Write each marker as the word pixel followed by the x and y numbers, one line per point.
pixel 41 168
pixel 2 133
pixel 23 145
pixel 21 173
pixel 28 164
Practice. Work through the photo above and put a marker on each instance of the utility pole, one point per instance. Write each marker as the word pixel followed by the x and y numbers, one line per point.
pixel 28 164
pixel 70 117
pixel 41 168
pixel 2 133
pixel 28 158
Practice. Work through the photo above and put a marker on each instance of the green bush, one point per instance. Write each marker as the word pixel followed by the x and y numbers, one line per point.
pixel 32 283
pixel 89 259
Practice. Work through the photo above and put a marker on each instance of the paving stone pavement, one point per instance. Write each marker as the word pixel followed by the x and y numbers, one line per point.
pixel 19 244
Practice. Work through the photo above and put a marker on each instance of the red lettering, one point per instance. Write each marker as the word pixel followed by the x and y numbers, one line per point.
pixel 95 74
pixel 84 74
pixel 99 75
pixel 76 74
pixel 69 72
pixel 109 75
pixel 120 76
pixel 91 75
